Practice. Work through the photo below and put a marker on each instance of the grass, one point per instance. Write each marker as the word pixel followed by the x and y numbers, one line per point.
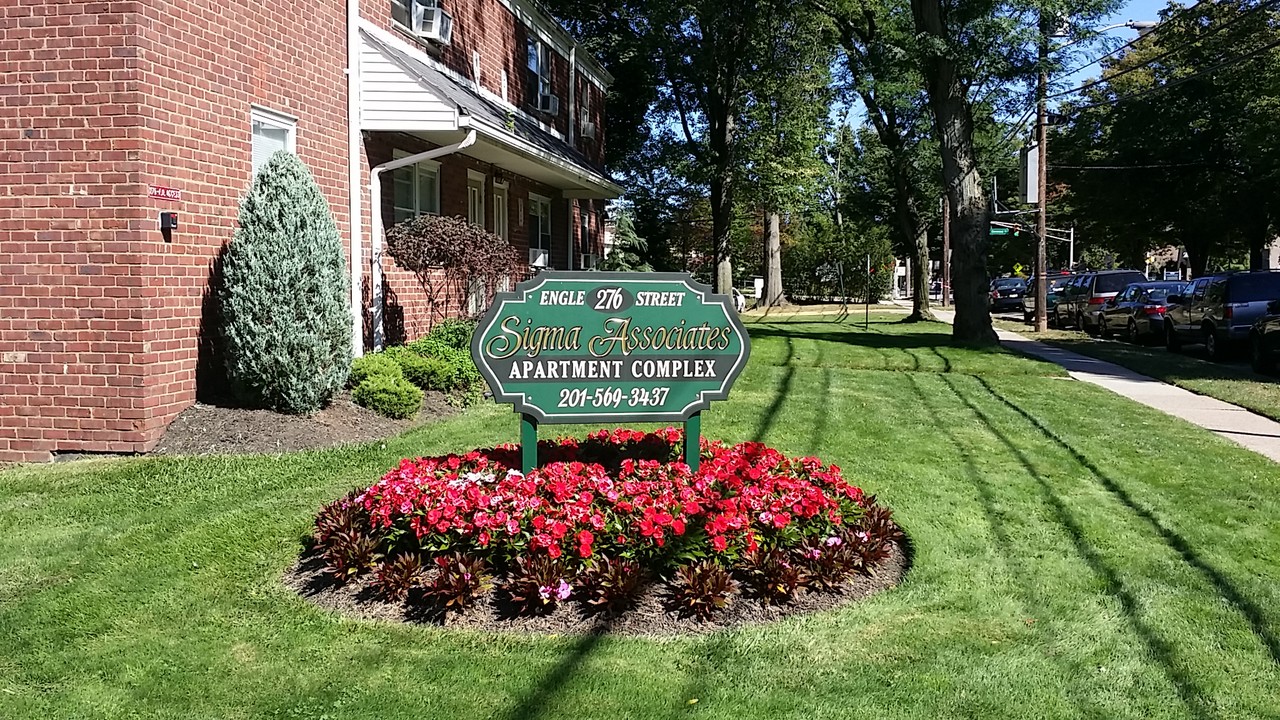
pixel 1232 382
pixel 1060 571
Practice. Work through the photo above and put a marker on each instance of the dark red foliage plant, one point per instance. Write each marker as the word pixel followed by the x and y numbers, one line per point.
pixel 396 578
pixel 458 582
pixel 701 590
pixel 453 259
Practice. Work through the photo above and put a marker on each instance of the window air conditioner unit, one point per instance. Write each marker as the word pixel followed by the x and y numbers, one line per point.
pixel 588 130
pixel 431 22
pixel 549 104
pixel 538 257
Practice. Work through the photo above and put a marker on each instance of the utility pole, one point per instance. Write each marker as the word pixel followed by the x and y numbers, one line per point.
pixel 946 248
pixel 1042 136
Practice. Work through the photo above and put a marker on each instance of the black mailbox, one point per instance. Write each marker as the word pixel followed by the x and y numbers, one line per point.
pixel 168 221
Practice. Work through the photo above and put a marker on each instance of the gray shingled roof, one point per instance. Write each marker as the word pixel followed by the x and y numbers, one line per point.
pixel 488 111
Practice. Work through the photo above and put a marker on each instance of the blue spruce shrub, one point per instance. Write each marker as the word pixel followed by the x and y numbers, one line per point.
pixel 285 319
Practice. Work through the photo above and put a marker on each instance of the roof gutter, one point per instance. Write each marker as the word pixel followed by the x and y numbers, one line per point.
pixel 375 231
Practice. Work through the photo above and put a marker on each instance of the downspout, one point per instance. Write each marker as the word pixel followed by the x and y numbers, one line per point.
pixel 573 131
pixel 354 211
pixel 375 241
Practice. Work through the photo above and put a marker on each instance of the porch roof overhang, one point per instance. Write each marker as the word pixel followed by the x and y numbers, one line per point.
pixel 403 91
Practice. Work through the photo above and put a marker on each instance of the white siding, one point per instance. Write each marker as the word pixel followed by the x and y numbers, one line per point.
pixel 393 99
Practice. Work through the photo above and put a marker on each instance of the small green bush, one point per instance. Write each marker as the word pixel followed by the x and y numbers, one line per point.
pixel 455 333
pixel 428 373
pixel 363 368
pixel 388 395
pixel 449 343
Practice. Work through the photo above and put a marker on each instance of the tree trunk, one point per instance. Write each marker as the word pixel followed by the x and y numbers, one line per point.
pixel 721 224
pixel 1259 241
pixel 773 295
pixel 915 235
pixel 920 277
pixel 953 121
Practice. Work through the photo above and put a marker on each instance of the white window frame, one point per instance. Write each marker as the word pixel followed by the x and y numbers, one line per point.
pixel 275 120
pixel 539 52
pixel 475 198
pixel 540 206
pixel 501 211
pixel 406 8
pixel 416 174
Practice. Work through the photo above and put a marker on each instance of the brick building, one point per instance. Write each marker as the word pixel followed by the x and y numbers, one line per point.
pixel 113 112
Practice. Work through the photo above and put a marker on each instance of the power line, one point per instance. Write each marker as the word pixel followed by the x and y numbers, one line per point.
pixel 1150 61
pixel 1179 81
pixel 1185 9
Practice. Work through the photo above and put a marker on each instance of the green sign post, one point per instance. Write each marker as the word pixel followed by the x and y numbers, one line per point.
pixel 594 347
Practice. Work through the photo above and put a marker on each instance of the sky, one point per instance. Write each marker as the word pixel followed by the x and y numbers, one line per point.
pixel 1136 10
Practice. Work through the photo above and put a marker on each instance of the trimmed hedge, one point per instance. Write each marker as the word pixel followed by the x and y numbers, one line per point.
pixel 363 368
pixel 389 395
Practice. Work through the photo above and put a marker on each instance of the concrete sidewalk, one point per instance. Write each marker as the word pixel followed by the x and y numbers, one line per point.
pixel 1253 431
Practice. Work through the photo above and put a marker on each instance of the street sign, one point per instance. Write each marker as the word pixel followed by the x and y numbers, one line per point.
pixel 999 231
pixel 1017 268
pixel 594 347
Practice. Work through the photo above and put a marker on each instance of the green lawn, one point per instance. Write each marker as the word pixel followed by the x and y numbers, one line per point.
pixel 1230 382
pixel 1060 570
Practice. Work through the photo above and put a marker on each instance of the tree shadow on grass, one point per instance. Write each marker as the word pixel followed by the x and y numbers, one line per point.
pixel 533 703
pixel 771 415
pixel 1190 695
pixel 1241 604
pixel 1030 600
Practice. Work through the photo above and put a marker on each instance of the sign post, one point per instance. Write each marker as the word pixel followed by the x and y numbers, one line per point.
pixel 591 347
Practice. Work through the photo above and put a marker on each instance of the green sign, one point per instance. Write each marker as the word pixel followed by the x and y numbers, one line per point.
pixel 999 231
pixel 579 347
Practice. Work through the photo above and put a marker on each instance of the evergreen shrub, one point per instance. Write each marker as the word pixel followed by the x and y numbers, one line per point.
pixel 285 321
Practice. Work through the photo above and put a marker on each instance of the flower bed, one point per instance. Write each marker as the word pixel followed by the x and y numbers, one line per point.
pixel 602 521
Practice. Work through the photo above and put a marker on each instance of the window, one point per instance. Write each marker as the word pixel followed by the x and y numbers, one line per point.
pixel 415 189
pixel 539 70
pixel 500 211
pixel 584 232
pixel 1197 290
pixel 402 10
pixel 272 131
pixel 475 199
pixel 539 222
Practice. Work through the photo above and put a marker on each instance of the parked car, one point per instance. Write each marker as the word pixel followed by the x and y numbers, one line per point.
pixel 1052 293
pixel 1081 301
pixel 1219 311
pixel 1264 339
pixel 1006 293
pixel 1138 311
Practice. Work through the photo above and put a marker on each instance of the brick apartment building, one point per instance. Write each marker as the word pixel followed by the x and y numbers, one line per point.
pixel 114 112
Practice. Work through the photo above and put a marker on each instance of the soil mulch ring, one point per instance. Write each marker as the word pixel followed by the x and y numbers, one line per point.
pixel 649 617
pixel 220 430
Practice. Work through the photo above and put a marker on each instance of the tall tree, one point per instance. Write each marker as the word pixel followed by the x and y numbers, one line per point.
pixel 1175 143
pixel 882 71
pixel 706 52
pixel 784 126
pixel 967 48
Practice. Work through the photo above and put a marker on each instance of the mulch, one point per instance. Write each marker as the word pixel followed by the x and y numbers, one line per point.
pixel 649 617
pixel 205 429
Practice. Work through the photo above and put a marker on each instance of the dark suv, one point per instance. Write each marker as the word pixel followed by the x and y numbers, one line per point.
pixel 1219 310
pixel 1080 302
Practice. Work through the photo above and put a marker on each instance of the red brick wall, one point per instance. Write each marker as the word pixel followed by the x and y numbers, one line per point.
pixel 207 65
pixel 73 294
pixel 99 316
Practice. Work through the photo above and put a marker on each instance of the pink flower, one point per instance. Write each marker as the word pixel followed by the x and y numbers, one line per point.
pixel 564 590
pixel 834 541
